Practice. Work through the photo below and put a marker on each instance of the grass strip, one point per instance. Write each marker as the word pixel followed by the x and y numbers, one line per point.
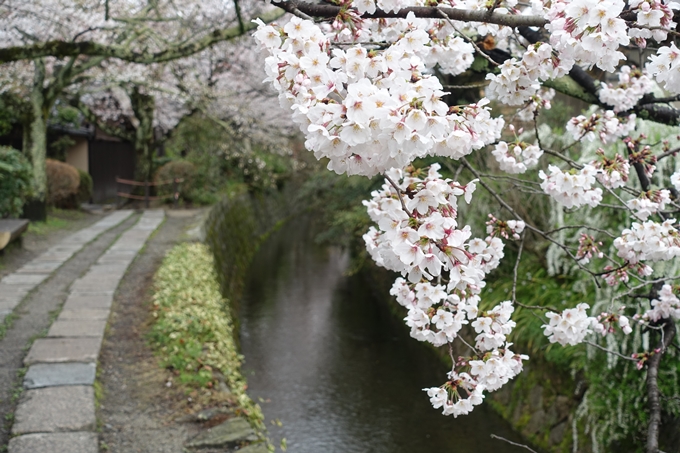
pixel 193 330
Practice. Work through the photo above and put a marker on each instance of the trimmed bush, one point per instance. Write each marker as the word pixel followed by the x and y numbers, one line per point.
pixel 85 187
pixel 177 169
pixel 62 184
pixel 15 181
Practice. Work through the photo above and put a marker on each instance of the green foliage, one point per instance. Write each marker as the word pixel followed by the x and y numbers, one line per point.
pixel 176 169
pixel 15 182
pixel 62 184
pixel 223 160
pixel 193 331
pixel 85 186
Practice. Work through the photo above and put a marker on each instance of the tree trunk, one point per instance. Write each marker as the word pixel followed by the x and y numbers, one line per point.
pixel 143 105
pixel 35 133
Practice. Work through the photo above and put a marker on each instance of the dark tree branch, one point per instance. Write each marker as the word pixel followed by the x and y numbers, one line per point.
pixel 64 49
pixel 653 394
pixel 426 12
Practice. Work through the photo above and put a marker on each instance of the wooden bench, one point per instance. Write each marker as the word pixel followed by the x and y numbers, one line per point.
pixel 11 229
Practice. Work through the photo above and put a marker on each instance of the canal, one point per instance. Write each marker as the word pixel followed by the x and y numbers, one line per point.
pixel 335 368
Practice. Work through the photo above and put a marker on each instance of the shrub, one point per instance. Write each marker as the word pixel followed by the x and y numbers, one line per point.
pixel 62 184
pixel 15 181
pixel 177 169
pixel 85 187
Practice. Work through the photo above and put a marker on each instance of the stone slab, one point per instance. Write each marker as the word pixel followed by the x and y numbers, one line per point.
pixel 24 279
pixel 82 237
pixel 64 248
pixel 86 292
pixel 9 303
pixel 107 269
pixel 78 442
pixel 59 350
pixel 61 257
pixel 77 328
pixel 95 285
pixel 89 314
pixel 55 409
pixel 56 374
pixel 226 434
pixel 77 301
pixel 40 267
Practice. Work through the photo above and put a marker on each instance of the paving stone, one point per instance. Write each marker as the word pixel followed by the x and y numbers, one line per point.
pixel 10 291
pixel 82 237
pixel 55 409
pixel 55 374
pixel 54 256
pixel 78 301
pixel 117 256
pixel 107 269
pixel 9 303
pixel 64 248
pixel 95 285
pixel 89 314
pixel 85 292
pixel 77 328
pixel 59 350
pixel 228 433
pixel 78 442
pixel 40 267
pixel 24 279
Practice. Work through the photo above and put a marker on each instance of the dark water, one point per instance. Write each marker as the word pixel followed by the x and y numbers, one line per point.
pixel 336 369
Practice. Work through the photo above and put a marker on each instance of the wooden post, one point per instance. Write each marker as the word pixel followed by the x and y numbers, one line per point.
pixel 175 191
pixel 146 194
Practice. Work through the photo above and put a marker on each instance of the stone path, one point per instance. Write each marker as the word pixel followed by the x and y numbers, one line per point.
pixel 14 287
pixel 56 414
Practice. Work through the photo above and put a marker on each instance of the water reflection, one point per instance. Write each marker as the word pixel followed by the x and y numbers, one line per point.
pixel 336 369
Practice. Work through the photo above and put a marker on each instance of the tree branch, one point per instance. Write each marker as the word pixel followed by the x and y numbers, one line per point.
pixel 426 12
pixel 63 49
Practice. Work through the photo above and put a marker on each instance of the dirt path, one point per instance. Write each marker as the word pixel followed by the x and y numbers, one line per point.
pixel 138 411
pixel 36 312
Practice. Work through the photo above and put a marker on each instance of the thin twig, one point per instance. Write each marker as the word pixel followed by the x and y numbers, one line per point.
pixel 514 272
pixel 474 44
pixel 396 187
pixel 609 351
pixel 493 436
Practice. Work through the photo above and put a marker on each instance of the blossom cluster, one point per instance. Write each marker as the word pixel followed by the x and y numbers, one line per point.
pixel 587 248
pixel 588 32
pixel 665 67
pixel 612 172
pixel 649 202
pixel 633 85
pixel 607 321
pixel 369 111
pixel 572 189
pixel 516 157
pixel 649 241
pixel 666 306
pixel 418 235
pixel 606 126
pixel 569 327
pixel 519 80
pixel 655 16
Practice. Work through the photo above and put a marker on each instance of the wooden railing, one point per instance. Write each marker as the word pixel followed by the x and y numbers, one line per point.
pixel 147 198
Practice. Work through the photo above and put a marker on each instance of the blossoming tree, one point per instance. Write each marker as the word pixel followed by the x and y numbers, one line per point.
pixel 49 46
pixel 360 79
